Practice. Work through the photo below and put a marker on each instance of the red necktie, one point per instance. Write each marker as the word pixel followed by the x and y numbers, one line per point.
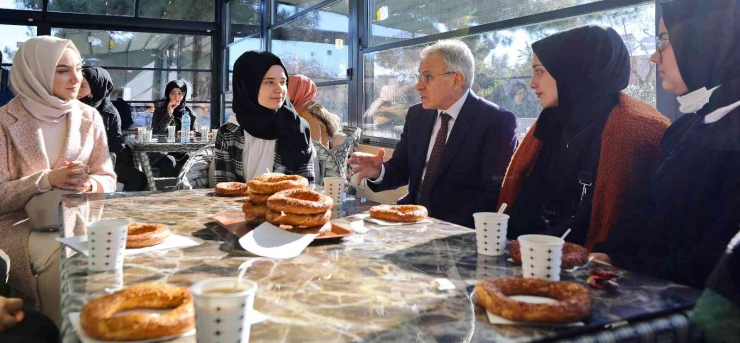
pixel 434 158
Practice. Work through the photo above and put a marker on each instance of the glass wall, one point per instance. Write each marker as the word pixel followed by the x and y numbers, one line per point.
pixel 315 44
pixel 33 5
pixel 197 10
pixel 108 7
pixel 142 63
pixel 503 66
pixel 11 38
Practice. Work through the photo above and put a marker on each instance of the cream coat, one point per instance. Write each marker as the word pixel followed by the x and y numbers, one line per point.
pixel 23 162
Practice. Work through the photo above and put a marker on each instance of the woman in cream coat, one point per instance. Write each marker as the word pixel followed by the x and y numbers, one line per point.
pixel 48 140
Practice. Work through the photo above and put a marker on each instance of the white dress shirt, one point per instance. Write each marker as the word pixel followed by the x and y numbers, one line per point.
pixel 453 111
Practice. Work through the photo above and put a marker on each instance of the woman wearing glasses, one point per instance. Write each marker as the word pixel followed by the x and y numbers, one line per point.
pixel 696 186
pixel 587 161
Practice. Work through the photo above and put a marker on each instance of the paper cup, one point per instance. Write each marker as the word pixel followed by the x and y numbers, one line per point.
pixel 223 317
pixel 204 130
pixel 490 232
pixel 171 134
pixel 334 187
pixel 541 256
pixel 107 241
pixel 140 134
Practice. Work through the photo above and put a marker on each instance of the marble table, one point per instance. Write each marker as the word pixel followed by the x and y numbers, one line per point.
pixel 375 286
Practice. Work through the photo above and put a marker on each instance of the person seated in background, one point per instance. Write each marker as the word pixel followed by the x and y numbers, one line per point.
pixel 455 146
pixel 94 91
pixel 695 190
pixel 265 134
pixel 326 127
pixel 48 140
pixel 169 112
pixel 587 160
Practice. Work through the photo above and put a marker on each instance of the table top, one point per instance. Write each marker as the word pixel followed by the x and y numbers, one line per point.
pixel 372 286
pixel 162 145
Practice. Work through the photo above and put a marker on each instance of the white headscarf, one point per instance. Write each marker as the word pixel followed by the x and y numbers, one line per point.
pixel 34 68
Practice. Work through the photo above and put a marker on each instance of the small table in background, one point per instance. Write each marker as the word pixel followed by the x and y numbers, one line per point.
pixel 140 151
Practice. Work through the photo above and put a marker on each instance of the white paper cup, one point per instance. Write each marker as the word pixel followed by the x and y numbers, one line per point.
pixel 223 317
pixel 490 232
pixel 334 187
pixel 106 240
pixel 214 133
pixel 541 256
pixel 140 134
pixel 171 133
pixel 204 130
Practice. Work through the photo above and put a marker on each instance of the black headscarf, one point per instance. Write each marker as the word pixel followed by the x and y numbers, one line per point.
pixel 184 88
pixel 285 125
pixel 591 66
pixel 705 37
pixel 101 86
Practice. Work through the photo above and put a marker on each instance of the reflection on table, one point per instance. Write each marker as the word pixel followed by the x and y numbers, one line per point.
pixel 371 286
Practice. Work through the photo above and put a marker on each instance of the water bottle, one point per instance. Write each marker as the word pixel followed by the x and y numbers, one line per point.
pixel 185 127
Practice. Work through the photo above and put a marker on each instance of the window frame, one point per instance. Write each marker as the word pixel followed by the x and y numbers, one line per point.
pixel 44 20
pixel 364 27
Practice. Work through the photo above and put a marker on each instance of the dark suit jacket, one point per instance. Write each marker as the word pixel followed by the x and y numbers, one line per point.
pixel 473 164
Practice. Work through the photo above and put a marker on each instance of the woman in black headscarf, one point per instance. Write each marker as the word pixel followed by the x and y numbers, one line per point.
pixel 94 91
pixel 169 111
pixel 588 157
pixel 266 133
pixel 696 186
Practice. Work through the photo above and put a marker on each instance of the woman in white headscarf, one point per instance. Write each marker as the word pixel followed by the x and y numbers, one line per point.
pixel 48 140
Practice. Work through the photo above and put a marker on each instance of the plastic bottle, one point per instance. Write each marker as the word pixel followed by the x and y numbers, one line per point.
pixel 185 127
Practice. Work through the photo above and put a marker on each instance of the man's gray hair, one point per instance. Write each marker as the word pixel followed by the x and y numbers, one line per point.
pixel 457 57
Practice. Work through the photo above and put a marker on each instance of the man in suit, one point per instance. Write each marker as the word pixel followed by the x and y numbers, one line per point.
pixel 455 146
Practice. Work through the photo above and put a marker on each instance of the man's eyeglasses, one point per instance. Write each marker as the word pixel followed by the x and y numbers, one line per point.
pixel 428 77
pixel 661 44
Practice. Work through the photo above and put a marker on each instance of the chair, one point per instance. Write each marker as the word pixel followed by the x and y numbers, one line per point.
pixel 333 162
pixel 195 172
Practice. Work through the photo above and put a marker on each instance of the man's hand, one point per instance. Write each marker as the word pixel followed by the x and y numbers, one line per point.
pixel 366 166
pixel 10 312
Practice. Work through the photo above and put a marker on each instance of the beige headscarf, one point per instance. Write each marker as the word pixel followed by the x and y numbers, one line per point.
pixel 34 68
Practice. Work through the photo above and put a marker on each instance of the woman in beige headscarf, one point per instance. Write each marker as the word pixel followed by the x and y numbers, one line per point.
pixel 48 140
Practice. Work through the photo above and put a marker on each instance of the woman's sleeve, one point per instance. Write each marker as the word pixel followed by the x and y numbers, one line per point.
pixel 160 120
pixel 16 193
pixel 223 166
pixel 100 165
pixel 193 118
pixel 307 170
pixel 116 143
